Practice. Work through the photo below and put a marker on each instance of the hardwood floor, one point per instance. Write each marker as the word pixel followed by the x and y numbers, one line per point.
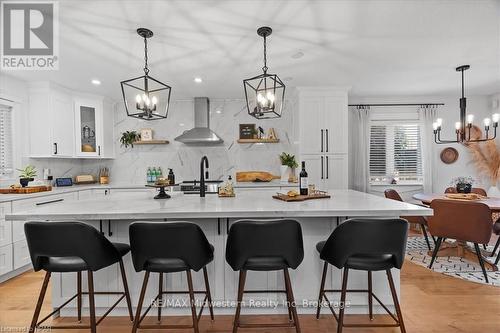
pixel 431 303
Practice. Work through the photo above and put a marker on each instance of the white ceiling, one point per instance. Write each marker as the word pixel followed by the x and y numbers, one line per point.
pixel 376 47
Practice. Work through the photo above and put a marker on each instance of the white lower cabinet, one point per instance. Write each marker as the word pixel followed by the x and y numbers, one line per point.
pixel 6 259
pixel 21 254
pixel 5 232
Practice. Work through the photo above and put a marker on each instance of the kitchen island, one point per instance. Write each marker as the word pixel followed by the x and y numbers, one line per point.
pixel 113 214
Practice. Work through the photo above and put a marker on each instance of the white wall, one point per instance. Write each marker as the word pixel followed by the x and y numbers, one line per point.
pixel 480 106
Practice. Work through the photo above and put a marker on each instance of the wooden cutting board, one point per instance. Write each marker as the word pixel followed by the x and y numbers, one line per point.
pixel 26 190
pixel 255 176
pixel 286 198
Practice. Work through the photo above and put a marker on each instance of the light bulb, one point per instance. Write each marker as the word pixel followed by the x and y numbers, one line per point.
pixel 154 100
pixel 470 118
pixel 144 97
pixel 138 98
pixel 260 97
pixel 487 122
pixel 147 101
pixel 439 122
pixel 495 117
pixel 435 126
pixel 458 125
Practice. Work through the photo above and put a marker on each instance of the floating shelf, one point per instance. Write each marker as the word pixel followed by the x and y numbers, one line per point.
pixel 258 140
pixel 152 142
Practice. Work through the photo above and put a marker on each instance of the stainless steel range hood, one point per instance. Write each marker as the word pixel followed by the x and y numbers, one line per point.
pixel 201 133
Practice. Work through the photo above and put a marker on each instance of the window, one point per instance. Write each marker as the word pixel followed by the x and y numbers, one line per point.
pixel 6 159
pixel 395 151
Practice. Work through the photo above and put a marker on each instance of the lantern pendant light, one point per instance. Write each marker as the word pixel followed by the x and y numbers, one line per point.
pixel 145 97
pixel 264 93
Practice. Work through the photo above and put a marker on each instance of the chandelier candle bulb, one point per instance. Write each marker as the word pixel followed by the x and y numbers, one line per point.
pixel 435 126
pixel 439 122
pixel 495 117
pixel 470 119
pixel 487 122
pixel 458 125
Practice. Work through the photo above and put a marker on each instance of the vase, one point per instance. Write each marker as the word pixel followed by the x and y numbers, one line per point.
pixel 285 172
pixel 494 191
pixel 292 178
pixel 464 188
pixel 24 181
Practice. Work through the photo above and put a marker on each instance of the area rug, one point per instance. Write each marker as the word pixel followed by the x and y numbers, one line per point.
pixel 416 252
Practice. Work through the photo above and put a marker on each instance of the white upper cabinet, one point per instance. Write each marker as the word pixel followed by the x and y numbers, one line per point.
pixel 323 135
pixel 323 126
pixel 64 124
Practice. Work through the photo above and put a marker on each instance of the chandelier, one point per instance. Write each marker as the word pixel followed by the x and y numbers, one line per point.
pixel 264 93
pixel 464 126
pixel 145 97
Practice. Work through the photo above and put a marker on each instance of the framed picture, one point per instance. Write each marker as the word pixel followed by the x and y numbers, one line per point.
pixel 247 131
pixel 146 134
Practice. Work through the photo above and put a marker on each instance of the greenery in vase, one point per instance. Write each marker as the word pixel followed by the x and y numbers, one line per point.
pixel 129 137
pixel 462 181
pixel 288 160
pixel 28 172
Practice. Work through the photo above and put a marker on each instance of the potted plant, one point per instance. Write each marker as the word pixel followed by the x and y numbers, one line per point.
pixel 288 165
pixel 463 184
pixel 129 137
pixel 27 175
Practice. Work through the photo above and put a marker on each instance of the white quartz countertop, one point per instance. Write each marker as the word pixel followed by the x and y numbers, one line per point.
pixel 75 188
pixel 256 203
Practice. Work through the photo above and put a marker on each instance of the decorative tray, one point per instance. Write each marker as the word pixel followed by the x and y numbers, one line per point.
pixel 315 195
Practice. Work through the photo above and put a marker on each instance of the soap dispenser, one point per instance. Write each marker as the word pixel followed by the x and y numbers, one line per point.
pixel 171 177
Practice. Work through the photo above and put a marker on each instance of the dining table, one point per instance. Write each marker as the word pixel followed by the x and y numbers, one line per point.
pixel 460 248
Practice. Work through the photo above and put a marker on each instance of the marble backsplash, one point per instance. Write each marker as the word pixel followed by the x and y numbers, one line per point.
pixel 130 164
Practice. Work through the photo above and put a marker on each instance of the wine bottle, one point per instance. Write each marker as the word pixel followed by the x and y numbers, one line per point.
pixel 303 180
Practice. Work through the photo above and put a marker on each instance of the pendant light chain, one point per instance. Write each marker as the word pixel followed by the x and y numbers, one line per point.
pixel 146 69
pixel 265 56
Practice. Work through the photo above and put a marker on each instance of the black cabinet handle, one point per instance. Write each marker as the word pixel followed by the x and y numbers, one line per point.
pixel 327 167
pixel 218 226
pixel 110 233
pixel 100 227
pixel 326 144
pixel 227 226
pixel 99 150
pixel 55 148
pixel 48 202
pixel 321 140
pixel 321 167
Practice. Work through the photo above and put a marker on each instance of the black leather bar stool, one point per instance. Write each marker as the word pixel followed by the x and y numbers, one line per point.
pixel 367 245
pixel 74 247
pixel 168 248
pixel 265 246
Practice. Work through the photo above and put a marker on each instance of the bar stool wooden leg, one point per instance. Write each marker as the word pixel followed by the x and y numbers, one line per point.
pixel 396 302
pixel 241 288
pixel 321 289
pixel 192 299
pixel 160 296
pixel 93 326
pixel 126 290
pixel 209 295
pixel 79 295
pixel 370 295
pixel 141 301
pixel 342 301
pixel 39 303
pixel 289 291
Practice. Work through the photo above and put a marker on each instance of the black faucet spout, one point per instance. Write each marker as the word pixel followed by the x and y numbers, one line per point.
pixel 203 175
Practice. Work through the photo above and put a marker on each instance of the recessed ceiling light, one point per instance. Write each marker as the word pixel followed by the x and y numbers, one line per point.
pixel 298 54
pixel 218 111
pixel 181 124
pixel 198 80
pixel 96 82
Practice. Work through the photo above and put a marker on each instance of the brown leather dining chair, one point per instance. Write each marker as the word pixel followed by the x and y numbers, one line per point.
pixel 420 220
pixel 460 220
pixel 476 190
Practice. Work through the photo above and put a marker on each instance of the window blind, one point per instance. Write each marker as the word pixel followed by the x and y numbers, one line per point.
pixel 395 151
pixel 6 153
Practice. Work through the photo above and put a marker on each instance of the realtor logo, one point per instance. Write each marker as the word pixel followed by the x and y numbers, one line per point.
pixel 30 36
